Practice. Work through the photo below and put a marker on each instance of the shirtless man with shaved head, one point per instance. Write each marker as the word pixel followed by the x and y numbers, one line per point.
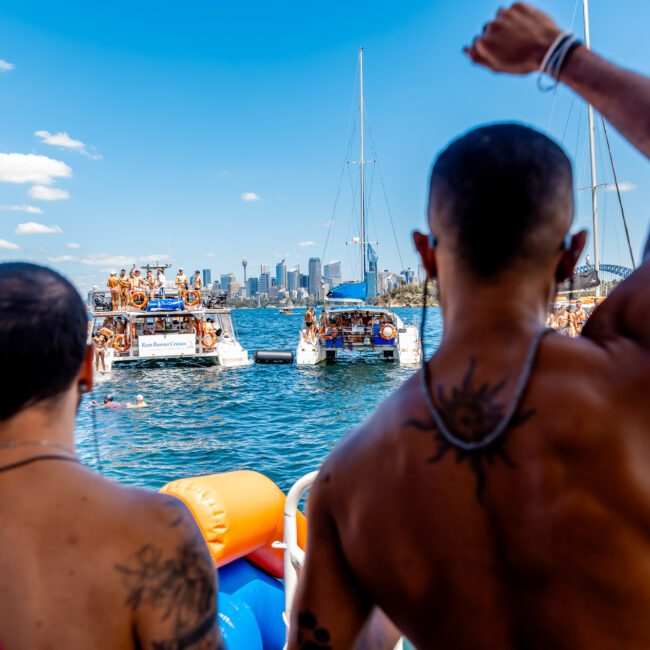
pixel 85 563
pixel 501 497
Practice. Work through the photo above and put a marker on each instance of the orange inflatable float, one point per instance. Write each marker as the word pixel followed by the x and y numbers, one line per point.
pixel 240 515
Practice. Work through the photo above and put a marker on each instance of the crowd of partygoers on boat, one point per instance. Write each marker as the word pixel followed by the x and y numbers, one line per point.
pixel 497 499
pixel 570 318
pixel 353 324
pixel 125 288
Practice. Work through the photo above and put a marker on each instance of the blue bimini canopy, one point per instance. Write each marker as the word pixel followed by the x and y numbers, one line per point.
pixel 348 291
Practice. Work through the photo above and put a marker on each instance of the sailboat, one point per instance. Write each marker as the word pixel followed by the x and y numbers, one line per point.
pixel 590 276
pixel 347 322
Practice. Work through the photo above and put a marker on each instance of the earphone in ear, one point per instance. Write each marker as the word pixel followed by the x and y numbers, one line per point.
pixel 566 242
pixel 83 387
pixel 432 240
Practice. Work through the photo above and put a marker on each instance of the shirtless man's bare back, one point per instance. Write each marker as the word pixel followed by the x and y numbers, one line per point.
pixel 84 562
pixel 501 499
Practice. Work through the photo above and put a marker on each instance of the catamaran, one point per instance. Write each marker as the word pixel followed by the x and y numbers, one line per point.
pixel 192 327
pixel 347 322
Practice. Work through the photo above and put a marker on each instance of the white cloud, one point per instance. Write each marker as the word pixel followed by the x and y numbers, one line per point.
pixel 62 259
pixel 328 223
pixel 249 197
pixel 623 186
pixel 30 168
pixel 43 193
pixel 8 246
pixel 63 140
pixel 5 66
pixel 73 245
pixel 224 172
pixel 153 258
pixel 33 228
pixel 305 244
pixel 210 254
pixel 109 261
pixel 32 209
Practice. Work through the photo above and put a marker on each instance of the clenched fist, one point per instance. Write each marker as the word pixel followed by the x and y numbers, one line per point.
pixel 515 41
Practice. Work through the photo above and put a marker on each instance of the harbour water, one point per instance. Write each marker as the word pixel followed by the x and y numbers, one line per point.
pixel 279 420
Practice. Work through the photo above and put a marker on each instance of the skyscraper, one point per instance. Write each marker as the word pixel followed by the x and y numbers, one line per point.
pixel 293 279
pixel 315 276
pixel 229 283
pixel 332 274
pixel 207 277
pixel 281 275
pixel 253 284
pixel 264 283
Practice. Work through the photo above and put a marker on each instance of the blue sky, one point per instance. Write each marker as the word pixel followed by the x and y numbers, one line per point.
pixel 177 112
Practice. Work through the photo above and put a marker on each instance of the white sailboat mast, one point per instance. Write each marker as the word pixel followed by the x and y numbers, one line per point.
pixel 592 153
pixel 362 230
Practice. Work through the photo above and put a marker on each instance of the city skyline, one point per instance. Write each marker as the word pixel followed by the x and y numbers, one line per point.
pixel 219 131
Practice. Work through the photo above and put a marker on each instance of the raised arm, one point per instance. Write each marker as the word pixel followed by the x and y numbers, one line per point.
pixel 517 39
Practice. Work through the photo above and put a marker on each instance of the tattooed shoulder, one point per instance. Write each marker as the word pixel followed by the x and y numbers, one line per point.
pixel 175 586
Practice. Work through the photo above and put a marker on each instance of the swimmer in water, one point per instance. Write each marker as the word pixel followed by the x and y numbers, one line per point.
pixel 139 403
pixel 110 403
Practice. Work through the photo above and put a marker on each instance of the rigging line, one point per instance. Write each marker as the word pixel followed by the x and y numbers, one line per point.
pixel 383 187
pixel 618 192
pixel 557 86
pixel 566 126
pixel 351 123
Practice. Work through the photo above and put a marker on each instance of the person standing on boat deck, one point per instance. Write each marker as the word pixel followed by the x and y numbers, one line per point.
pixel 580 316
pixel 197 283
pixel 75 546
pixel 499 498
pixel 160 282
pixel 101 343
pixel 125 288
pixel 310 322
pixel 150 284
pixel 113 285
pixel 181 282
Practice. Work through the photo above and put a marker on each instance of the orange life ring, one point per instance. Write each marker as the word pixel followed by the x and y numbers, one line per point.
pixel 332 332
pixel 143 303
pixel 193 292
pixel 213 340
pixel 121 343
pixel 392 331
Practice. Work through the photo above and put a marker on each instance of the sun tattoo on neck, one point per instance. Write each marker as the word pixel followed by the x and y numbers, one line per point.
pixel 472 413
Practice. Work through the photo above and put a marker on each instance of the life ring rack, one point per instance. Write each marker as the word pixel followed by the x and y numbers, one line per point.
pixel 121 343
pixel 191 292
pixel 392 331
pixel 328 336
pixel 143 300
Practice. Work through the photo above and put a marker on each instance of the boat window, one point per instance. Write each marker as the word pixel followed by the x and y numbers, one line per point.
pixel 225 323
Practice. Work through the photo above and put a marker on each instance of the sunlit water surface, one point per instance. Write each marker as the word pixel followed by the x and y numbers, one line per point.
pixel 279 420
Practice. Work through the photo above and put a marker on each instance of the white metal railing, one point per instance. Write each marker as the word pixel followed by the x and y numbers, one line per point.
pixel 294 556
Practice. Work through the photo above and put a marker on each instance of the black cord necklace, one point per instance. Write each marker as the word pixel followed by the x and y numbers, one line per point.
pixel 35 459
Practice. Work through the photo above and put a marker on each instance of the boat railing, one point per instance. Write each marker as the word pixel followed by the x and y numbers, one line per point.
pixel 294 556
pixel 102 301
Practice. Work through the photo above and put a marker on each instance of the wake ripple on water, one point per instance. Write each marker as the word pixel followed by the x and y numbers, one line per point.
pixel 279 420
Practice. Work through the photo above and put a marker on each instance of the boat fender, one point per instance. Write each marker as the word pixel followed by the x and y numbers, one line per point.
pixel 273 356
